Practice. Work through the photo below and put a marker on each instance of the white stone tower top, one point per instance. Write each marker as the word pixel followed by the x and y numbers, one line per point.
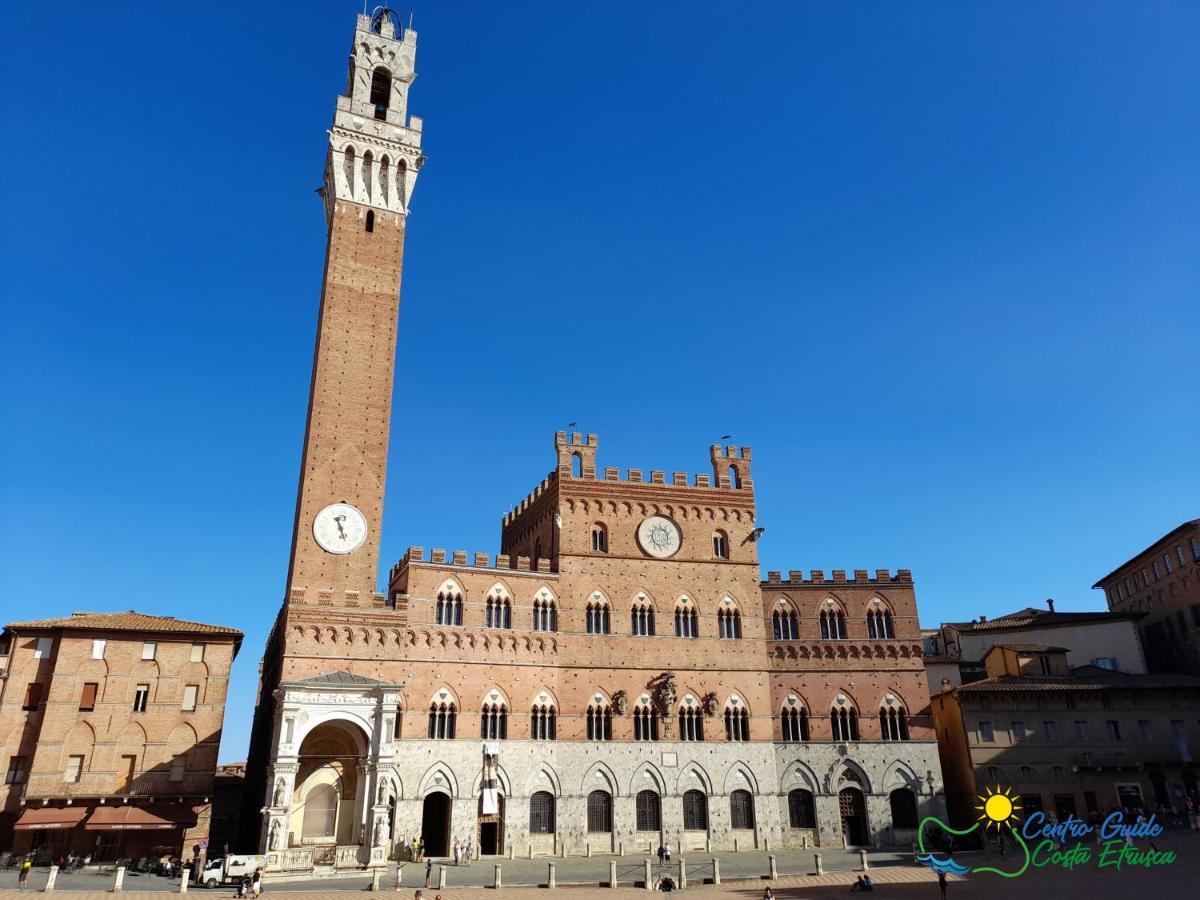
pixel 374 146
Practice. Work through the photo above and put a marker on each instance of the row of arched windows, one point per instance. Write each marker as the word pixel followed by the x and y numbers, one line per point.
pixel 793 723
pixel 832 622
pixel 720 541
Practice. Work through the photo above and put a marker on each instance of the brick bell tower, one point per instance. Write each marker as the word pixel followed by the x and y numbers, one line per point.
pixel 370 168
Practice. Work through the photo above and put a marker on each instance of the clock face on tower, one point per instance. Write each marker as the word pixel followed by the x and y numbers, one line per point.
pixel 659 537
pixel 340 528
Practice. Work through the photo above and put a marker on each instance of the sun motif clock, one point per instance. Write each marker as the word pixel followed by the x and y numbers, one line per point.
pixel 340 528
pixel 659 537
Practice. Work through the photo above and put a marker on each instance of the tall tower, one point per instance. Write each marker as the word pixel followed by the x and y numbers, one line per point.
pixel 373 158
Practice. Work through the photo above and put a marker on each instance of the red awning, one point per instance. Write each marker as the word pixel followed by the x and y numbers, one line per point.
pixel 138 818
pixel 51 817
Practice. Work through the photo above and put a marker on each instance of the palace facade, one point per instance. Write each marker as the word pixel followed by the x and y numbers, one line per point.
pixel 618 676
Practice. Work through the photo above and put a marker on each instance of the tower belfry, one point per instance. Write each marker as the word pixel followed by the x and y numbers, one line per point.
pixel 372 162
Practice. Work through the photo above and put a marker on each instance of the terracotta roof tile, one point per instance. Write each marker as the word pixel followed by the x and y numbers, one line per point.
pixel 1089 682
pixel 126 621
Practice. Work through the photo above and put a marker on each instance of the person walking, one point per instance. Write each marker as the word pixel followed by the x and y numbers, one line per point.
pixel 399 875
pixel 470 851
pixel 457 851
pixel 428 871
pixel 942 884
pixel 421 849
pixel 256 884
pixel 26 868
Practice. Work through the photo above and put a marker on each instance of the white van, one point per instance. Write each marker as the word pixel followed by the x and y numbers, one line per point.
pixel 230 868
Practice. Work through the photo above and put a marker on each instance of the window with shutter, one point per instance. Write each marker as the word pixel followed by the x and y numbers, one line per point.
pixel 87 702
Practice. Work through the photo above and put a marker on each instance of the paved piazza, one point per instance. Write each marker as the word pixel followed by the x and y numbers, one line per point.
pixel 739 875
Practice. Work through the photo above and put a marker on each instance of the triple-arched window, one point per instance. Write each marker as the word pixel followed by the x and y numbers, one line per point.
pixel 844 722
pixel 599 722
pixel 598 621
pixel 493 722
pixel 645 723
pixel 737 723
pixel 449 607
pixel 687 622
pixel 893 723
pixel 729 623
pixel 442 720
pixel 641 618
pixel 879 625
pixel 691 723
pixel 783 624
pixel 497 611
pixel 833 625
pixel 545 615
pixel 543 721
pixel 793 724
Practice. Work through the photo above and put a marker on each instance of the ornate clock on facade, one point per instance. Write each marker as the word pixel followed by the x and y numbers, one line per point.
pixel 340 528
pixel 659 536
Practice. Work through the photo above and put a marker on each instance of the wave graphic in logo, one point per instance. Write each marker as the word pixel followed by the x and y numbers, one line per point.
pixel 942 865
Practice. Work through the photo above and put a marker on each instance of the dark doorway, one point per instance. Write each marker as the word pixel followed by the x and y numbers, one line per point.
pixel 435 824
pixel 491 831
pixel 854 817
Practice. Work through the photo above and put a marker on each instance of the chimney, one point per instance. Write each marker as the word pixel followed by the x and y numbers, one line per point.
pixel 982 619
pixel 1050 603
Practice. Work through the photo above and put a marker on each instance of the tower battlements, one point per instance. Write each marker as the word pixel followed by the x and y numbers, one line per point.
pixel 838 576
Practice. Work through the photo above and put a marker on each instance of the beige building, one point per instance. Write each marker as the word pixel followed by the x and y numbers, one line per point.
pixel 1107 640
pixel 109 729
pixel 1068 742
pixel 1162 583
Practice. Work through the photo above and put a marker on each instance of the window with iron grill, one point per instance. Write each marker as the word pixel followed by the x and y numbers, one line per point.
pixel 599 812
pixel 541 813
pixel 648 811
pixel 695 811
pixel 741 810
pixel 801 810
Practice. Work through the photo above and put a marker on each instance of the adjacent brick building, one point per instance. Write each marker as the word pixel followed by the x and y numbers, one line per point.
pixel 109 729
pixel 1069 741
pixel 1163 584
pixel 618 675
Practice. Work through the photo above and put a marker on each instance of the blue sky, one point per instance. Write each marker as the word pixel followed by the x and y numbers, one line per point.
pixel 937 263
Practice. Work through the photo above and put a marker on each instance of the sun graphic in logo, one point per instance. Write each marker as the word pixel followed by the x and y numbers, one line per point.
pixel 997 808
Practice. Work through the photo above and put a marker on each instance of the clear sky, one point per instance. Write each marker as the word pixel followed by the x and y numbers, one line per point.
pixel 936 262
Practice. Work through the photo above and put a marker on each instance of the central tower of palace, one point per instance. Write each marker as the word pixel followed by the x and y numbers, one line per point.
pixel 372 162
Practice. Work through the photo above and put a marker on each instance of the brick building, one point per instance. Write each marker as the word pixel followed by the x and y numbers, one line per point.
pixel 1163 584
pixel 109 729
pixel 618 675
pixel 1068 741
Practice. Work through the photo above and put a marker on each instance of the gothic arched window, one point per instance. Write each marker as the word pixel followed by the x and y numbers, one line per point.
pixel 845 723
pixel 801 809
pixel 597 617
pixel 648 811
pixel 893 723
pixel 741 810
pixel 543 722
pixel 691 723
pixel 645 723
pixel 793 724
pixel 541 813
pixel 729 623
pixel 545 615
pixel 442 720
pixel 687 622
pixel 879 625
pixel 783 624
pixel 599 722
pixel 833 624
pixel 641 618
pixel 493 722
pixel 449 607
pixel 737 723
pixel 695 811
pixel 599 812
pixel 497 611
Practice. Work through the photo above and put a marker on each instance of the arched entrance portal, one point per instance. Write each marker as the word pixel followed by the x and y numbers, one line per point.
pixel 491 830
pixel 435 824
pixel 325 809
pixel 854 817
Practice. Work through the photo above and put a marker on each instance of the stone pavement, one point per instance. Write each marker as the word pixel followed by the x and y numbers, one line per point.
pixel 1085 882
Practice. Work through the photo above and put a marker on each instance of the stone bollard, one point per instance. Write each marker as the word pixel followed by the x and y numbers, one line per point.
pixel 531 849
pixel 51 878
pixel 804 842
pixel 767 844
pixel 118 880
pixel 716 870
pixel 375 873
pixel 646 875
pixel 612 873
pixel 737 844
pixel 620 848
pixel 682 873
pixel 588 851
pixel 512 851
pixel 441 878
pixel 817 863
pixel 497 882
pixel 184 877
pixel 772 867
pixel 862 860
pixel 550 882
